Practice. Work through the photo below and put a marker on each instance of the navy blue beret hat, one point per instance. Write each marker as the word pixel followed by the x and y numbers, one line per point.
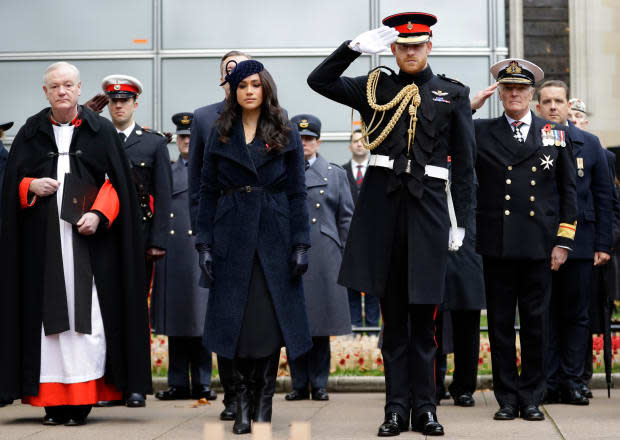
pixel 241 71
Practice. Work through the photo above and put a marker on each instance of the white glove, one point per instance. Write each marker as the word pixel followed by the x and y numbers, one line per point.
pixel 375 40
pixel 455 239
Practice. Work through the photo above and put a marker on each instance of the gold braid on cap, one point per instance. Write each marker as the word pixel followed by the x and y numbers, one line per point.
pixel 407 94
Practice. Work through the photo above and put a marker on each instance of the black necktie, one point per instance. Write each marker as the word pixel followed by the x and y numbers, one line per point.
pixel 307 165
pixel 122 136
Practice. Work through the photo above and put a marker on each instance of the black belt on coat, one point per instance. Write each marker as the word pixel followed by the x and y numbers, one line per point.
pixel 249 189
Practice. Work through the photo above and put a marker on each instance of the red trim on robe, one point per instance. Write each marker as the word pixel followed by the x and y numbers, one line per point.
pixel 23 193
pixel 107 202
pixel 152 204
pixel 82 393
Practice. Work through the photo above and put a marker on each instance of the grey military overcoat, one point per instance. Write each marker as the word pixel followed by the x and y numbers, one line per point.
pixel 178 305
pixel 330 206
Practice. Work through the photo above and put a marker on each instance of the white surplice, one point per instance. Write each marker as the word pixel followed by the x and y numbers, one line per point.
pixel 71 357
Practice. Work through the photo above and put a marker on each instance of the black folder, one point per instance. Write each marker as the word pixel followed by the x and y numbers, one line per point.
pixel 77 198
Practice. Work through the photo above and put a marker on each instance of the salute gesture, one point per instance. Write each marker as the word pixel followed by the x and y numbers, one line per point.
pixel 374 41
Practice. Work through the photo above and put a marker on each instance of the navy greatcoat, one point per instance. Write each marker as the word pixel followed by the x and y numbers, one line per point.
pixel 204 118
pixel 331 207
pixel 240 225
pixel 178 304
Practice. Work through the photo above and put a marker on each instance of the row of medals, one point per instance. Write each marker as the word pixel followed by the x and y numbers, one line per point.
pixel 556 137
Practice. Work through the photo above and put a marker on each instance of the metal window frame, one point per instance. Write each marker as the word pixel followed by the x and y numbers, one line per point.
pixel 493 52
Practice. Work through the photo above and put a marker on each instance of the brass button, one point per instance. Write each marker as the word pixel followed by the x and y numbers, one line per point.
pixel 533 169
pixel 509 167
pixel 507 212
pixel 532 198
pixel 172 215
pixel 531 213
pixel 143 219
pixel 318 205
pixel 507 197
pixel 189 232
pixel 533 183
pixel 508 181
pixel 322 192
pixel 325 179
pixel 142 164
pixel 172 232
pixel 329 168
pixel 313 220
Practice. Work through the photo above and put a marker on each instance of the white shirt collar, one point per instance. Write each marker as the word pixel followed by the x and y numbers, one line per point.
pixel 128 130
pixel 527 119
pixel 312 160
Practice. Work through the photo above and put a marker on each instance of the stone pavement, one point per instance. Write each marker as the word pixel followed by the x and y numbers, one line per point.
pixel 345 416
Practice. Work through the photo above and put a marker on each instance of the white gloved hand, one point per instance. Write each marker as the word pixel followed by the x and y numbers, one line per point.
pixel 374 41
pixel 455 239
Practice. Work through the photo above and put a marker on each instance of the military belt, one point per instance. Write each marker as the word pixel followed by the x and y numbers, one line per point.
pixel 248 189
pixel 456 238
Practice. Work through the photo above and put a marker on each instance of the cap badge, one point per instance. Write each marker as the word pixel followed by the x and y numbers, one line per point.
pixel 185 120
pixel 303 123
pixel 117 86
pixel 409 26
pixel 514 68
pixel 439 93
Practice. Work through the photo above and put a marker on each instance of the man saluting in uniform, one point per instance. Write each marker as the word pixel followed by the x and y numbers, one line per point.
pixel 398 242
pixel 526 221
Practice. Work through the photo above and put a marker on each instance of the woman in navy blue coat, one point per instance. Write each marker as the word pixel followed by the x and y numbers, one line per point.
pixel 253 237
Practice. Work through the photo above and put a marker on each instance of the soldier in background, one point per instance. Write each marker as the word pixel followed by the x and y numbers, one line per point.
pixel 356 170
pixel 330 206
pixel 178 304
pixel 577 113
pixel 147 152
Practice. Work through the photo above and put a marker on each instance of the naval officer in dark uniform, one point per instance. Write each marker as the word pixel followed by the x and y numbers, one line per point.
pixel 397 246
pixel 330 206
pixel 178 303
pixel 572 283
pixel 147 152
pixel 526 221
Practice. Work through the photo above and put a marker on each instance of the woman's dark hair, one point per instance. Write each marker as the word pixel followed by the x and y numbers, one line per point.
pixel 272 125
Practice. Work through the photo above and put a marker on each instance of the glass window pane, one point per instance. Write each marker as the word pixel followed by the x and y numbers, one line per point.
pixel 191 83
pixel 67 25
pixel 199 24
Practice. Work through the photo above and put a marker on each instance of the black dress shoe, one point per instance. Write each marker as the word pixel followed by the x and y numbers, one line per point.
pixel 573 397
pixel 392 425
pixel 203 391
pixel 109 403
pixel 298 395
pixel 532 413
pixel 506 412
pixel 585 391
pixel 551 397
pixel 136 400
pixel 173 393
pixel 52 421
pixel 427 424
pixel 76 421
pixel 229 412
pixel 320 394
pixel 465 399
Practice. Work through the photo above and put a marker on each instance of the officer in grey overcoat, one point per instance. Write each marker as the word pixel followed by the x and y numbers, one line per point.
pixel 330 206
pixel 178 304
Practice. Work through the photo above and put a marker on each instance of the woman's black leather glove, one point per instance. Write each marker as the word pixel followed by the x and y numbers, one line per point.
pixel 205 260
pixel 300 259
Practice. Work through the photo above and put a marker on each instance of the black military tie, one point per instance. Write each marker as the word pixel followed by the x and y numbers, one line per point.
pixel 122 136
pixel 307 165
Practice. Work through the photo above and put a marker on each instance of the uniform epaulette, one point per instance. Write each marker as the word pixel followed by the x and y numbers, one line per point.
pixel 148 130
pixel 452 80
pixel 336 165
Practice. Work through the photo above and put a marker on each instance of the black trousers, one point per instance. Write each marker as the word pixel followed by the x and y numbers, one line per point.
pixel 312 367
pixel 188 355
pixel 466 340
pixel 569 324
pixel 526 283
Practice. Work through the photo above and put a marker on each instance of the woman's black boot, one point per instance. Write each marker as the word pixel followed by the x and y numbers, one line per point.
pixel 243 374
pixel 265 374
